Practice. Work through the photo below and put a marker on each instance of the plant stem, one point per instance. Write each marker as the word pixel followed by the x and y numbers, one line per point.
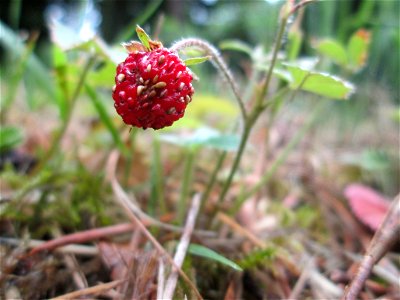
pixel 279 160
pixel 213 179
pixel 255 113
pixel 60 134
pixel 265 86
pixel 218 62
pixel 239 153
pixel 186 183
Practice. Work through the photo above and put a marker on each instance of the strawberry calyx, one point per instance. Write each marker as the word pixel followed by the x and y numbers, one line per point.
pixel 146 44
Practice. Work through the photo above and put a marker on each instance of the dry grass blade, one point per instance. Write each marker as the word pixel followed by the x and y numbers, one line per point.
pixel 160 279
pixel 182 247
pixel 130 203
pixel 131 209
pixel 90 291
pixel 241 230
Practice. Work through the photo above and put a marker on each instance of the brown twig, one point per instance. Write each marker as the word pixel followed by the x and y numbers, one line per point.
pixel 387 233
pixel 71 248
pixel 83 236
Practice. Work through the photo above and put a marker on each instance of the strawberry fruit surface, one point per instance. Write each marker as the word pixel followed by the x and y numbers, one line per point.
pixel 152 88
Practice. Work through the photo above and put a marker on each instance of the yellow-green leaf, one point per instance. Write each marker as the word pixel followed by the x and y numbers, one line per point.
pixel 319 83
pixel 333 50
pixel 196 60
pixel 236 45
pixel 358 49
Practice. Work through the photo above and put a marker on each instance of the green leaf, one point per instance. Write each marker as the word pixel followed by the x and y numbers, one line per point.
pixel 59 57
pixel 206 137
pixel 19 68
pixel 396 115
pixel 358 49
pixel 374 160
pixel 143 37
pixel 10 137
pixel 333 50
pixel 61 69
pixel 103 76
pixel 199 250
pixel 196 60
pixel 319 83
pixel 236 45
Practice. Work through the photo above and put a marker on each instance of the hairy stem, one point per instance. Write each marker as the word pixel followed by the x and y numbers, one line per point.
pixel 255 113
pixel 218 62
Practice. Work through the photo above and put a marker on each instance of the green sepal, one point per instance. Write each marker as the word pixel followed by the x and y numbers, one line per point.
pixel 143 37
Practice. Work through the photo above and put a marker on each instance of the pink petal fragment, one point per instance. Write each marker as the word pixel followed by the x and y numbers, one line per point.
pixel 368 206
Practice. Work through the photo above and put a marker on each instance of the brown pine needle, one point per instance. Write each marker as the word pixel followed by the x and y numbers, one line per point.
pixel 90 291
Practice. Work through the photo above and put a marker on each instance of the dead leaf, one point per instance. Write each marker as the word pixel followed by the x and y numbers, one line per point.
pixel 368 206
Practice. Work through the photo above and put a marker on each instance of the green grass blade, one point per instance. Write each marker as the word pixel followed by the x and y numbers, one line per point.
pixel 10 137
pixel 105 118
pixel 34 67
pixel 156 180
pixel 141 19
pixel 17 76
pixel 199 250
pixel 15 13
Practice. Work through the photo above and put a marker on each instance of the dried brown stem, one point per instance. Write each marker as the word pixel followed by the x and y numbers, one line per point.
pixel 380 244
pixel 83 236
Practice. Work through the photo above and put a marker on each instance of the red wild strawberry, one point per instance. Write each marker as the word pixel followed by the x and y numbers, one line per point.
pixel 152 87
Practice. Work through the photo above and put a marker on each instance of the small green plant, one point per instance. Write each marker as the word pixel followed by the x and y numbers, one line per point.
pixel 198 149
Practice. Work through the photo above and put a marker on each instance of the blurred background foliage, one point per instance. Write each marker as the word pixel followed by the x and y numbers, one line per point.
pixel 253 22
pixel 30 55
pixel 45 89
